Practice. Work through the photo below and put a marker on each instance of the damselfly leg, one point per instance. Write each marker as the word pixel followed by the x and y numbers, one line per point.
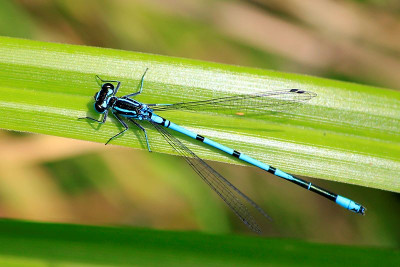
pixel 144 130
pixel 93 119
pixel 123 124
pixel 140 89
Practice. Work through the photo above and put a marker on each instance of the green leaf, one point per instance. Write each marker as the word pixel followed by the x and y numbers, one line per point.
pixel 44 244
pixel 349 133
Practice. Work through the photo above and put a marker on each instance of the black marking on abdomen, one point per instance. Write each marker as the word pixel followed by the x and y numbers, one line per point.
pixel 163 122
pixel 200 138
pixel 236 153
pixel 271 170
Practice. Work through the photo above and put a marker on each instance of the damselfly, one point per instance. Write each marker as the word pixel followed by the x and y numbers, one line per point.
pixel 135 111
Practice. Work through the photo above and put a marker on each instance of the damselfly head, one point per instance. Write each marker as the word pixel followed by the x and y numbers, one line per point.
pixel 102 97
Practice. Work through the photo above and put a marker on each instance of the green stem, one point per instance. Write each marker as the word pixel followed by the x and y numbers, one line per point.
pixel 349 133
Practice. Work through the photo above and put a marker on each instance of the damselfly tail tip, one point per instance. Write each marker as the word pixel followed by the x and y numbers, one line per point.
pixel 362 210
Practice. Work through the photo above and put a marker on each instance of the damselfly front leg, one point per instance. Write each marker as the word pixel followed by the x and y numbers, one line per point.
pixel 140 89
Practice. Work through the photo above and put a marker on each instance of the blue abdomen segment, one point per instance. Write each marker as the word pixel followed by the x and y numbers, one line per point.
pixel 180 129
pixel 254 162
pixel 217 145
pixel 157 119
pixel 171 125
pixel 350 204
pixel 266 167
pixel 284 175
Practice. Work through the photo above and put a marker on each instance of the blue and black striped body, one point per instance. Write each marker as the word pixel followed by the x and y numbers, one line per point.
pixel 340 200
pixel 130 108
pixel 106 100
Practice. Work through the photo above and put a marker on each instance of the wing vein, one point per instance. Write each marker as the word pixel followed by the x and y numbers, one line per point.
pixel 257 103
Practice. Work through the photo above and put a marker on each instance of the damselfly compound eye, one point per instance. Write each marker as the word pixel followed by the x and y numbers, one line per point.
pixel 108 86
pixel 99 108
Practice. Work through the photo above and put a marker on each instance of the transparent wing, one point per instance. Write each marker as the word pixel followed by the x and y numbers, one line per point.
pixel 227 191
pixel 246 104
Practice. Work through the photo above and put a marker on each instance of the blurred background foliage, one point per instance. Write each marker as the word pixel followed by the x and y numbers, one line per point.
pixel 53 179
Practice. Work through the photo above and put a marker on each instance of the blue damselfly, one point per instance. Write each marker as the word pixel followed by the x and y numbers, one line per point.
pixel 135 111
